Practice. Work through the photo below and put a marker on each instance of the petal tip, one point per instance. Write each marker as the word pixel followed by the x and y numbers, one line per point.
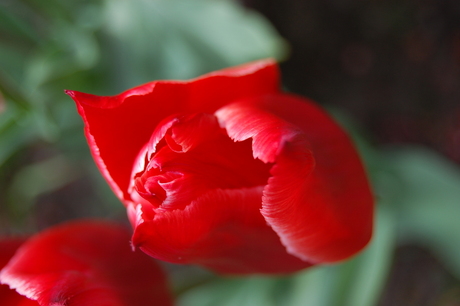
pixel 247 68
pixel 81 97
pixel 71 93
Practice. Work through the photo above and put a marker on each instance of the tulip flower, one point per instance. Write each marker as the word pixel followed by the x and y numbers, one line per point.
pixel 80 263
pixel 229 172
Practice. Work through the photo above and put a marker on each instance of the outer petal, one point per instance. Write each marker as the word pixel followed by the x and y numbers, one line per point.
pixel 117 127
pixel 8 296
pixel 322 214
pixel 85 263
pixel 222 230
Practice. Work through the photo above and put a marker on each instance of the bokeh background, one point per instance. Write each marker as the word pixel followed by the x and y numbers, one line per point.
pixel 389 71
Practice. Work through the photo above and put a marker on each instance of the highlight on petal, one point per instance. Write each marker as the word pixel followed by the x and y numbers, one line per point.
pixel 117 127
pixel 222 230
pixel 10 297
pixel 321 206
pixel 85 263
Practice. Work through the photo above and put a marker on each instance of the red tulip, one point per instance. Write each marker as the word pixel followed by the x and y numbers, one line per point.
pixel 228 172
pixel 81 263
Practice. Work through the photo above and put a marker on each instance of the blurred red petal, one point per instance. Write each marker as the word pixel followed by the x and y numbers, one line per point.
pixel 85 263
pixel 8 247
pixel 10 297
pixel 117 127
pixel 223 230
pixel 321 208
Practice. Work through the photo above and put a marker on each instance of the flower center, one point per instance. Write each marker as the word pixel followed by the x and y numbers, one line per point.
pixel 192 157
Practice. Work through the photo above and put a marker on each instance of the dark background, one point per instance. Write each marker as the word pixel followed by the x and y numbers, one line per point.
pixel 394 65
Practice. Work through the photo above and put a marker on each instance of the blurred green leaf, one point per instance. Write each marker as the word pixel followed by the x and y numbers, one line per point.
pixel 13 92
pixel 428 202
pixel 225 28
pixel 14 131
pixel 171 39
pixel 71 49
pixel 39 178
pixel 17 27
pixel 248 291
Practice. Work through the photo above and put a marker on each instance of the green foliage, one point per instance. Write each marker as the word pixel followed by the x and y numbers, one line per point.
pixel 175 39
pixel 427 201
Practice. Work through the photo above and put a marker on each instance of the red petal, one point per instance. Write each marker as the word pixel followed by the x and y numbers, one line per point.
pixel 117 127
pixel 8 296
pixel 222 230
pixel 322 214
pixel 8 247
pixel 85 263
pixel 196 157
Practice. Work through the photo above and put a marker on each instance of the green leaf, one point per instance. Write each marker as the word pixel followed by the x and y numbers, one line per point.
pixel 70 51
pixel 428 202
pixel 15 132
pixel 176 39
pixel 12 92
pixel 17 27
pixel 249 291
pixel 39 178
pixel 237 34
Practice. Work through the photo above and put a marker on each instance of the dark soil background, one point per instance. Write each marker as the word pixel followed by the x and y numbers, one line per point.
pixel 395 67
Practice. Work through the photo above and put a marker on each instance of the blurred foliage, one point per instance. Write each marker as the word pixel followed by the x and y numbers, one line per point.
pixel 427 200
pixel 105 47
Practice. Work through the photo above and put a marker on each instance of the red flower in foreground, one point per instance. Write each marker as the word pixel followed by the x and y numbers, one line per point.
pixel 9 297
pixel 228 172
pixel 80 263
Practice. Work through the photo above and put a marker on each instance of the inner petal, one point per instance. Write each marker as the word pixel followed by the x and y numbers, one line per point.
pixel 195 155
